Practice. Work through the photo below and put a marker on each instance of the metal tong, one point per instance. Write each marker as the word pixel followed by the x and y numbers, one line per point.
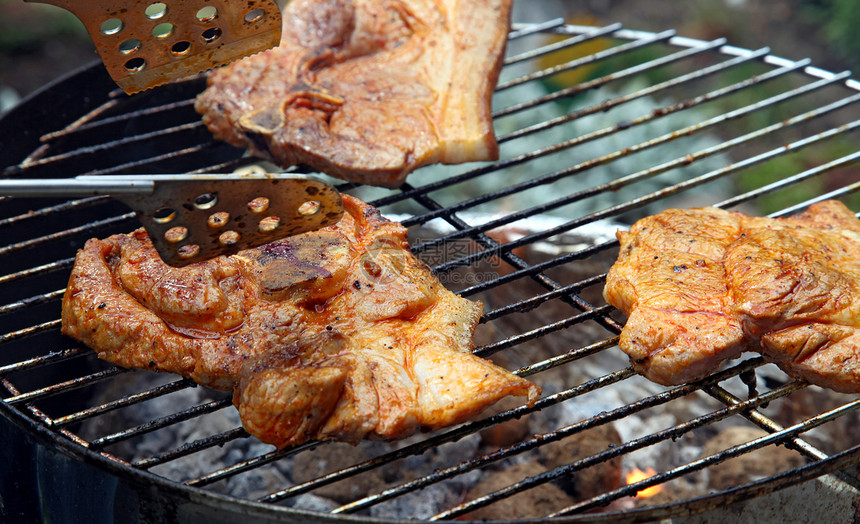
pixel 144 43
pixel 191 218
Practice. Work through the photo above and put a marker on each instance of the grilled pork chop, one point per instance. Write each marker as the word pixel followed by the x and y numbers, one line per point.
pixel 367 90
pixel 339 333
pixel 703 285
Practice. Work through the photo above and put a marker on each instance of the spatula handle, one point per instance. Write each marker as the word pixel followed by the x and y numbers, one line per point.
pixel 74 187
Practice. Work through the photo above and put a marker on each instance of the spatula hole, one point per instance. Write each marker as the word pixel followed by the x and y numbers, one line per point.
pixel 205 201
pixel 162 30
pixel 207 14
pixel 156 10
pixel 188 251
pixel 164 215
pixel 176 234
pixel 129 46
pixel 211 34
pixel 135 65
pixel 258 205
pixel 180 48
pixel 218 219
pixel 309 208
pixel 255 16
pixel 228 238
pixel 111 26
pixel 269 224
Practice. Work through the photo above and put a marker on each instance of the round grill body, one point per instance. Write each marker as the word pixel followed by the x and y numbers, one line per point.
pixel 598 126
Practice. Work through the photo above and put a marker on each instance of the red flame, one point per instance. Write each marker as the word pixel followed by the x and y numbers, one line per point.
pixel 636 475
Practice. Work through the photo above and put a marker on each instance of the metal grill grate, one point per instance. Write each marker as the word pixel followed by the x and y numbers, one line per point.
pixel 648 121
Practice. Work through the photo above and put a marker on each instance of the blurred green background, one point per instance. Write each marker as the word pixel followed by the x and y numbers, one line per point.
pixel 39 42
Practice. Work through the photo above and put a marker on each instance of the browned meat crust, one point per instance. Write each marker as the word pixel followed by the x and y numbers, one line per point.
pixel 367 90
pixel 339 333
pixel 703 285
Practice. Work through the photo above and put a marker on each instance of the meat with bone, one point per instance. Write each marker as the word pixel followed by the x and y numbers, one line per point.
pixel 367 90
pixel 703 285
pixel 339 333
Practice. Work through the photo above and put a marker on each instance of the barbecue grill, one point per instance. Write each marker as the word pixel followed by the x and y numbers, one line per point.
pixel 660 121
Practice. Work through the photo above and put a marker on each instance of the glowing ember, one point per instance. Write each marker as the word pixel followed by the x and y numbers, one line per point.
pixel 636 475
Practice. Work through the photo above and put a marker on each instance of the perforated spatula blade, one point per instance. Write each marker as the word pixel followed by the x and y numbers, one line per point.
pixel 191 218
pixel 196 217
pixel 144 43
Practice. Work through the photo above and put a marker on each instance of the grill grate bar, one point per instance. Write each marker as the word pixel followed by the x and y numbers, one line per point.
pixel 131 115
pixel 756 488
pixel 833 194
pixel 590 314
pixel 528 304
pixel 628 447
pixel 38 241
pixel 413 450
pixel 541 151
pixel 105 407
pixel 53 210
pixel 29 331
pixel 655 196
pixel 452 435
pixel 68 385
pixel 809 173
pixel 46 420
pixel 778 437
pixel 113 144
pixel 54 356
pixel 569 356
pixel 159 423
pixel 248 465
pixel 633 70
pixel 131 166
pixel 538 440
pixel 567 42
pixel 44 148
pixel 522 30
pixel 508 256
pixel 618 183
pixel 579 62
pixel 31 301
pixel 617 101
pixel 191 447
pixel 804 448
pixel 801 446
pixel 606 131
pixel 539 268
pixel 232 165
pixel 39 270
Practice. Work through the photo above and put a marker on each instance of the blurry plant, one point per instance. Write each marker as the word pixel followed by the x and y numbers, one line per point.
pixel 26 26
pixel 594 69
pixel 786 165
pixel 585 154
pixel 774 171
pixel 840 19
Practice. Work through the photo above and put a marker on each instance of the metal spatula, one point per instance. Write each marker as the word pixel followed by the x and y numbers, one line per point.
pixel 144 43
pixel 191 218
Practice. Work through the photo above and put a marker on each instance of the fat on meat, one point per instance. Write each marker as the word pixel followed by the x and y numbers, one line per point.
pixel 700 286
pixel 367 90
pixel 339 333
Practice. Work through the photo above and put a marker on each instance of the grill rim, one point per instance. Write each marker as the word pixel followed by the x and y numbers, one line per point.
pixel 90 456
pixel 181 491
